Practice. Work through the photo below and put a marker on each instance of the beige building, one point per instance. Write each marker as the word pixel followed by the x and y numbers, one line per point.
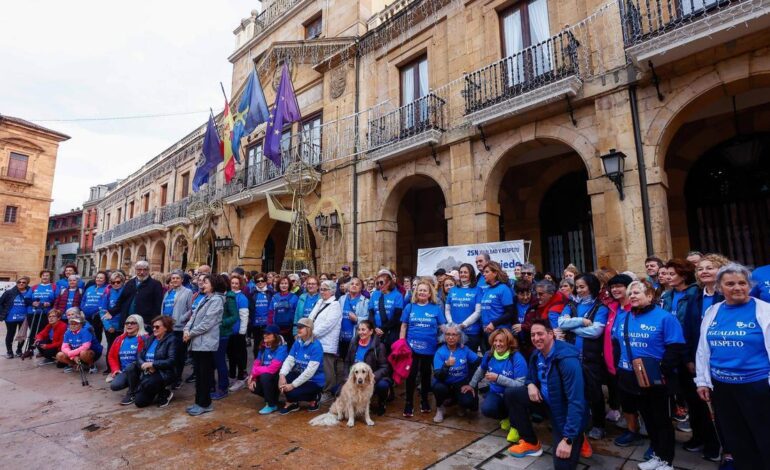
pixel 438 122
pixel 27 162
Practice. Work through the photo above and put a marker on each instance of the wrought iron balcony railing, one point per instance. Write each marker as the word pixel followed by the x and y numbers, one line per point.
pixel 524 71
pixel 263 170
pixel 174 210
pixel 272 14
pixel 421 115
pixel 643 19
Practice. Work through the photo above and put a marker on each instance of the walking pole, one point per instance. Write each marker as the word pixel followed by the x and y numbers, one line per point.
pixel 713 419
pixel 32 332
pixel 83 373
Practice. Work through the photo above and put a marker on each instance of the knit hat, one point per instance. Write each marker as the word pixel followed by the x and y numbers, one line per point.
pixel 273 330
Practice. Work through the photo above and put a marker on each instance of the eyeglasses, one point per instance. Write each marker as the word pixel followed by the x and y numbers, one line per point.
pixel 380 283
pixel 74 323
pixel 156 327
pixel 21 282
pixel 261 280
pixel 542 294
pixel 116 282
pixel 131 323
pixel 527 274
pixel 451 334
pixel 324 289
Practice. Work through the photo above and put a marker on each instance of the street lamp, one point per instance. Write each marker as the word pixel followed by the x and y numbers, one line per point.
pixel 334 220
pixel 614 165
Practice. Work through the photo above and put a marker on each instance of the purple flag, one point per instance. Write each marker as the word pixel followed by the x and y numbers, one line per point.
pixel 285 110
pixel 211 156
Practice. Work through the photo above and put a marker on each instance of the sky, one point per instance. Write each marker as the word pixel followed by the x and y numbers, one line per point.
pixel 65 60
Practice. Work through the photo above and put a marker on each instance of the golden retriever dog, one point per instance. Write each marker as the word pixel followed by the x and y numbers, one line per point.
pixel 353 400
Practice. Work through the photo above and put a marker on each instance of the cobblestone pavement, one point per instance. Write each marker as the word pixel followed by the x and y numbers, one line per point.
pixel 49 420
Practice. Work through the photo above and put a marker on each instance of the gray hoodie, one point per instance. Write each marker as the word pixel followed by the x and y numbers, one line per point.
pixel 182 303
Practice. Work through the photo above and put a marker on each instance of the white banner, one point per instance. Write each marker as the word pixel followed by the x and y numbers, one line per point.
pixel 507 253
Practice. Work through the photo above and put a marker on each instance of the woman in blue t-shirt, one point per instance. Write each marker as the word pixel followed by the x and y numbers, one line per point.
pixel 90 301
pixel 505 369
pixel 368 348
pixel 263 379
pixel 13 309
pixel 733 367
pixel 301 377
pixel 385 307
pixel 109 299
pixel 283 304
pixel 497 309
pixel 261 294
pixel 420 322
pixel 453 367
pixel 463 307
pixel 40 299
pixel 653 335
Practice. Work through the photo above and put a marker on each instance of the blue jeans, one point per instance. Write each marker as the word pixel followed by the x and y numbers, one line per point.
pixel 308 391
pixel 220 364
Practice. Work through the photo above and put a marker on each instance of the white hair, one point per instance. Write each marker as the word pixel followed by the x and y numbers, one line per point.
pixel 142 264
pixel 329 284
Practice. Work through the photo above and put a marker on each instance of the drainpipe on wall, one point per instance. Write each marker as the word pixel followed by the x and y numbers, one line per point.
pixel 355 172
pixel 642 171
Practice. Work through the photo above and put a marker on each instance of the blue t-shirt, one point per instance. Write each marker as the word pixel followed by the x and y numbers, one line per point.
pixel 197 300
pixel 267 355
pixel 738 352
pixel 75 340
pixel 70 301
pixel 43 293
pixel 108 302
pixel 129 348
pixel 544 364
pixel 422 327
pixel 648 334
pixel 347 331
pixel 514 367
pixel 481 283
pixel 241 302
pixel 283 307
pixel 361 351
pixel 310 301
pixel 64 284
pixel 96 346
pixel 18 309
pixel 168 303
pixel 521 310
pixel 91 300
pixel 493 301
pixel 393 300
pixel 761 279
pixel 675 298
pixel 150 355
pixel 708 301
pixel 462 303
pixel 465 359
pixel 304 354
pixel 261 307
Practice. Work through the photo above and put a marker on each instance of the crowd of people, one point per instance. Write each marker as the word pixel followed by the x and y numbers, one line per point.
pixel 686 343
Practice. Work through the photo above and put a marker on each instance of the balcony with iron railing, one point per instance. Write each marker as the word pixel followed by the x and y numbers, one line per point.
pixel 661 31
pixel 416 124
pixel 273 13
pixel 527 79
pixel 141 224
pixel 15 175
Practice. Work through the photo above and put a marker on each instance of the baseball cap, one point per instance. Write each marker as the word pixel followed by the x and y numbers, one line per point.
pixel 440 272
pixel 305 271
pixel 305 322
pixel 345 267
pixel 273 330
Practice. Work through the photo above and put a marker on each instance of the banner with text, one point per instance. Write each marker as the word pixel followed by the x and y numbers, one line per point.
pixel 507 253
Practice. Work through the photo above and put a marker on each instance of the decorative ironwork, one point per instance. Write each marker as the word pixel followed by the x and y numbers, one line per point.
pixel 524 71
pixel 421 115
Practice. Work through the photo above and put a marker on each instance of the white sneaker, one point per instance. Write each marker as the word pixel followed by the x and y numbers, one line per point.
pixel 684 426
pixel 651 464
pixel 665 466
pixel 613 415
pixel 236 385
pixel 439 415
pixel 621 422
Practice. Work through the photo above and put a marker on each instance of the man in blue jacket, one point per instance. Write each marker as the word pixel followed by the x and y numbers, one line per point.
pixel 554 383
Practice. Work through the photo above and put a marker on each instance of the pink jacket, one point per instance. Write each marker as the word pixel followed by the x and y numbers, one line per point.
pixel 609 356
pixel 65 348
pixel 401 360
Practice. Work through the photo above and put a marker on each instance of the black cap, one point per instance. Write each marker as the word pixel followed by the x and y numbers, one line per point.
pixel 440 272
pixel 624 279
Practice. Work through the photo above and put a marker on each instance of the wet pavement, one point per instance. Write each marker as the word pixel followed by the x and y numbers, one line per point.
pixel 49 420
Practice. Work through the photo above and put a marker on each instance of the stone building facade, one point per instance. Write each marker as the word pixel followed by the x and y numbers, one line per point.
pixel 62 243
pixel 440 122
pixel 86 257
pixel 27 162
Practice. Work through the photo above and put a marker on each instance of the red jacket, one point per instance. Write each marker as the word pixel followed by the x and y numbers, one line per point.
pixel 557 304
pixel 61 301
pixel 401 360
pixel 59 329
pixel 113 356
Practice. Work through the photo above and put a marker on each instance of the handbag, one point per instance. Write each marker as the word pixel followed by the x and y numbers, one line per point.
pixel 646 369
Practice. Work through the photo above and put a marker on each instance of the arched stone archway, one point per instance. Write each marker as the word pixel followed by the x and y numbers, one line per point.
pixel 413 217
pixel 114 261
pixel 140 253
pixel 158 257
pixel 713 159
pixel 102 262
pixel 180 250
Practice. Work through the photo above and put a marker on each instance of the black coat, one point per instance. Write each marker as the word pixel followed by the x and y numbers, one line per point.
pixel 6 301
pixel 692 322
pixel 376 357
pixel 148 298
pixel 165 356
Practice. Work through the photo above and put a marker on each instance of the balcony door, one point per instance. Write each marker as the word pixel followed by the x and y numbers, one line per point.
pixel 525 32
pixel 414 87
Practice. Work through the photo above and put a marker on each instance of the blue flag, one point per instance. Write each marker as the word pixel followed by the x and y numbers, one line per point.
pixel 251 112
pixel 286 110
pixel 211 156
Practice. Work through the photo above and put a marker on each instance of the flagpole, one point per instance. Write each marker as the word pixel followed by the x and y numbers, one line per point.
pixel 223 92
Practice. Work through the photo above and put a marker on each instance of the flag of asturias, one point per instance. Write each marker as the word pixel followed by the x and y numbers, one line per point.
pixel 252 111
pixel 227 142
pixel 211 155
pixel 285 110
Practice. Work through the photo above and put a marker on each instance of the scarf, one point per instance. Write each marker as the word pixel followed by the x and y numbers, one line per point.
pixel 587 300
pixel 501 357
